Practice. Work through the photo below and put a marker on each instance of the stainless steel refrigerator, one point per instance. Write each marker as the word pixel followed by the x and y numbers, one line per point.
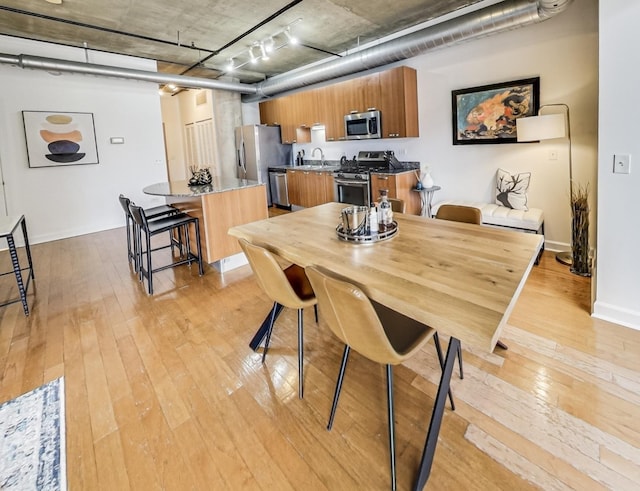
pixel 258 147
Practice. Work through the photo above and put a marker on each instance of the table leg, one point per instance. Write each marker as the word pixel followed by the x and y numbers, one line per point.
pixel 436 417
pixel 429 198
pixel 16 270
pixel 264 327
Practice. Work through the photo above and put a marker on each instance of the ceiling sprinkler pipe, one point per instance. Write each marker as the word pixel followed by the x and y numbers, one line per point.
pixel 58 66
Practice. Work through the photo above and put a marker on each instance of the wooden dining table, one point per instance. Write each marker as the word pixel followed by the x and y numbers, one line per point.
pixel 461 279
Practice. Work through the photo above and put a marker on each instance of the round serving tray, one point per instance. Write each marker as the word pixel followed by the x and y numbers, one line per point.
pixel 367 239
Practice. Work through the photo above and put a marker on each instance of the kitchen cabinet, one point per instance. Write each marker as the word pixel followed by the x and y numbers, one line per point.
pixel 328 114
pixel 399 186
pixel 309 188
pixel 292 113
pixel 393 92
pixel 399 103
pixel 358 95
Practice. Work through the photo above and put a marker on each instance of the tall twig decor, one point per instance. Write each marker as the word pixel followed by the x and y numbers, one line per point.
pixel 581 263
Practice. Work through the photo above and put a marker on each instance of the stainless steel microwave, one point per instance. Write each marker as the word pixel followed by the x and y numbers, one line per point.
pixel 361 126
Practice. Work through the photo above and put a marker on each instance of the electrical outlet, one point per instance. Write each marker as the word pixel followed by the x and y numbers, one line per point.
pixel 621 164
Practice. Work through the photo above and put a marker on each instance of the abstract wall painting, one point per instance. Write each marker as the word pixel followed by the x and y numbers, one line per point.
pixel 487 114
pixel 60 138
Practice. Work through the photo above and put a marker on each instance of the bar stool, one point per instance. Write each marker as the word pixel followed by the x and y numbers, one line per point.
pixel 151 213
pixel 8 226
pixel 178 222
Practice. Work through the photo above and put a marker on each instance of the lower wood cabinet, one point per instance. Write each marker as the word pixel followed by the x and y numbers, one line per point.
pixel 400 186
pixel 309 188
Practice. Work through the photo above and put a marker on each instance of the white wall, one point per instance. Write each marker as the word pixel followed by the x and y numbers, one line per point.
pixel 618 278
pixel 563 52
pixel 73 200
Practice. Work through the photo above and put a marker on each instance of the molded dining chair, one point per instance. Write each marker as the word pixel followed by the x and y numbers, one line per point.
pixel 459 213
pixel 374 331
pixel 178 222
pixel 397 205
pixel 289 287
pixel 151 213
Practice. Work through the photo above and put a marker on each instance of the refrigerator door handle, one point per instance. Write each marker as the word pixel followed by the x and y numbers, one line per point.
pixel 243 160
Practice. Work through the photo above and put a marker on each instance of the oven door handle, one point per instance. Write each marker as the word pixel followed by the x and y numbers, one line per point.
pixel 351 183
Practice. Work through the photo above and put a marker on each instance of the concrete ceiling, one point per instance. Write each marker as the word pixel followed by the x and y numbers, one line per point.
pixel 198 37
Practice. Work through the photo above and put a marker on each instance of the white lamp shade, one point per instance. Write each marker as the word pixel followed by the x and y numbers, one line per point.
pixel 544 127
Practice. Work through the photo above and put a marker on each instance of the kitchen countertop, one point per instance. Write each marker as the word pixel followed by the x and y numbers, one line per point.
pixel 182 189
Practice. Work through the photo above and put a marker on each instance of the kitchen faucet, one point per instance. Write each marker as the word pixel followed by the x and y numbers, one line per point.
pixel 313 152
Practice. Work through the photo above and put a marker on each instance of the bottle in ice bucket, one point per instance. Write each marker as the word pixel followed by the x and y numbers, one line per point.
pixel 373 219
pixel 385 215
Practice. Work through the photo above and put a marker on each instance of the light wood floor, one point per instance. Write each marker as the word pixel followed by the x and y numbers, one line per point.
pixel 163 392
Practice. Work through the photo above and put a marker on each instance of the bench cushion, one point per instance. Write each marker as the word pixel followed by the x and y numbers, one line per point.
pixel 492 214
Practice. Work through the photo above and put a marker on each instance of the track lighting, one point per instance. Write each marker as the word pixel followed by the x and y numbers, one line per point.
pixel 290 37
pixel 269 44
pixel 263 49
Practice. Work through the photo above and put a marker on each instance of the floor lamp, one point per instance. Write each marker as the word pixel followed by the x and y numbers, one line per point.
pixel 548 127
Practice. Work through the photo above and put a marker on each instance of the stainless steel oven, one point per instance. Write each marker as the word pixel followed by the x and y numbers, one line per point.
pixel 352 179
pixel 351 190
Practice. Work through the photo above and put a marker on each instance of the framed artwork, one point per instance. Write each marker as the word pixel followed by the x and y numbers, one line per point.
pixel 487 114
pixel 60 138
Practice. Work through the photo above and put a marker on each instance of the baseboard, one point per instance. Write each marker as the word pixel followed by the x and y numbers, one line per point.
pixel 229 263
pixel 617 315
pixel 553 246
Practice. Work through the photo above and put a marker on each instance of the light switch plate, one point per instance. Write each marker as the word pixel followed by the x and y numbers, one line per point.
pixel 622 163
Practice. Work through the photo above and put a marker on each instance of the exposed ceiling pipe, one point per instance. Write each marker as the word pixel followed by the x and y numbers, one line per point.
pixel 53 65
pixel 501 17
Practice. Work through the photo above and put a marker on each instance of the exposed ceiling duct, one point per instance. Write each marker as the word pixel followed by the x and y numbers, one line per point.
pixel 501 17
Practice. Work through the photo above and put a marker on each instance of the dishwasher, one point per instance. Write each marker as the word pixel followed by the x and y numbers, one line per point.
pixel 278 187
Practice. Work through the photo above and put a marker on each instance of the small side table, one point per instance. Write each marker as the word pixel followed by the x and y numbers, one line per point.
pixel 426 197
pixel 8 226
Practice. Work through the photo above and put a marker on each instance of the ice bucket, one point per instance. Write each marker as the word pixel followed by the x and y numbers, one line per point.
pixel 354 219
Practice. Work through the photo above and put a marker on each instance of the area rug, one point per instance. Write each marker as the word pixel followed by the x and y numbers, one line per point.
pixel 32 440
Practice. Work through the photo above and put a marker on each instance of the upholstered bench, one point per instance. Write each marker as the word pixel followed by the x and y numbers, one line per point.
pixel 531 221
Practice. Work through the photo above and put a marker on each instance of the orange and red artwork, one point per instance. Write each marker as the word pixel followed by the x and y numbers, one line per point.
pixel 59 138
pixel 488 114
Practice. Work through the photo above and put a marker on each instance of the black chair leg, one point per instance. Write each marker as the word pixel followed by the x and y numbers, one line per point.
pixel 392 436
pixel 198 248
pixel 149 267
pixel 460 361
pixel 315 310
pixel 272 321
pixel 130 254
pixel 436 341
pixel 300 355
pixel 336 395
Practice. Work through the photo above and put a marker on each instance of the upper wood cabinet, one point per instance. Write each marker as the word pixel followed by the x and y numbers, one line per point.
pixel 399 103
pixel 393 92
pixel 328 114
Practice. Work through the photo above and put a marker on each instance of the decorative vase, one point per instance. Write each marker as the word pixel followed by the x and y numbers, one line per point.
pixel 427 181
